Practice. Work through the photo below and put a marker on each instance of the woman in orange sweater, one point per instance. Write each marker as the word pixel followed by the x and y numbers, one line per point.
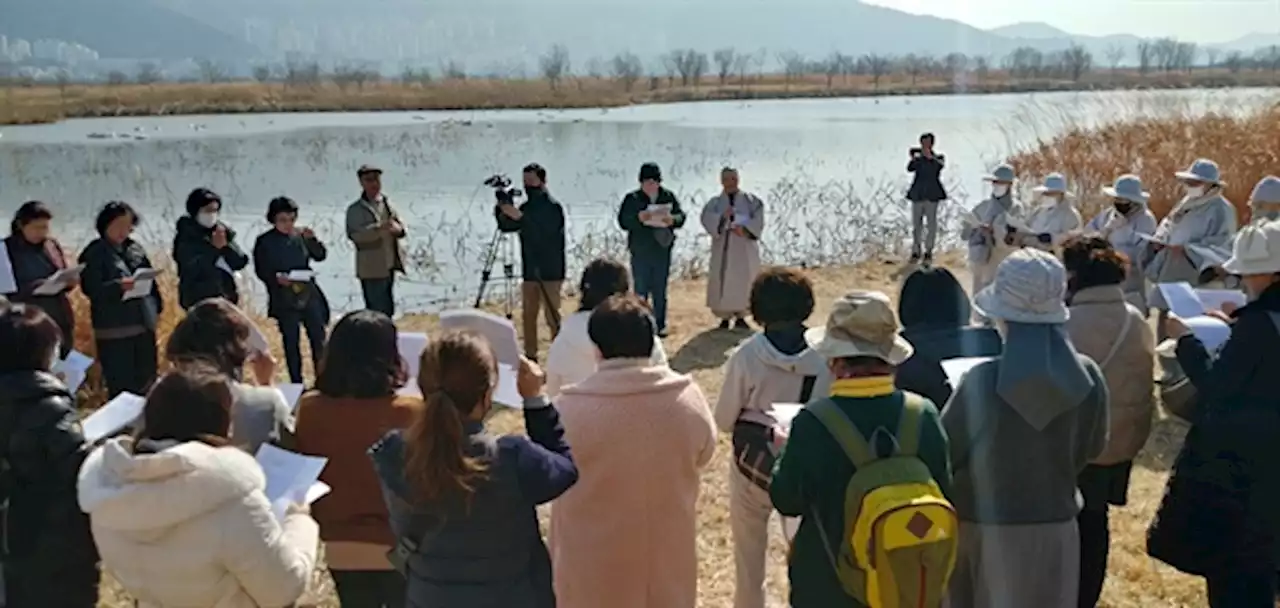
pixel 353 405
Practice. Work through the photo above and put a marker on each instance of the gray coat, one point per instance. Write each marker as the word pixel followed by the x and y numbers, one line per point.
pixel 378 252
pixel 1205 223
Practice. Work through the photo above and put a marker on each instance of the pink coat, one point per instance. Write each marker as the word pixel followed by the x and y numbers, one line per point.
pixel 625 535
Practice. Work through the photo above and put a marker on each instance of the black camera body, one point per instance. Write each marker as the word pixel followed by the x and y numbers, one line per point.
pixel 502 189
pixel 916 152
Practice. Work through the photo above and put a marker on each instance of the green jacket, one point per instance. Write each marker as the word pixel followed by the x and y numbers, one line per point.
pixel 812 474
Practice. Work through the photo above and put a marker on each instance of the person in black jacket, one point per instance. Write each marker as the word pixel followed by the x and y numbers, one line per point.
pixel 49 557
pixel 935 313
pixel 650 239
pixel 925 194
pixel 206 252
pixel 1220 517
pixel 124 331
pixel 540 222
pixel 298 301
pixel 35 257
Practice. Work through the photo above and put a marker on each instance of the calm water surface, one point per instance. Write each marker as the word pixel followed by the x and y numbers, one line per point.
pixel 797 154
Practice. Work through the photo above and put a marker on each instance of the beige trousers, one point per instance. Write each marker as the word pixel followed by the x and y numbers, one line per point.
pixel 1027 566
pixel 749 511
pixel 533 296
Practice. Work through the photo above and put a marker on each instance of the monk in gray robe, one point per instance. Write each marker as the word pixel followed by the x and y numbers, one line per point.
pixel 735 221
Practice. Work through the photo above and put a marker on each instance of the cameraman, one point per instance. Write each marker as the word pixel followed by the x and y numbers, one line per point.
pixel 925 195
pixel 540 222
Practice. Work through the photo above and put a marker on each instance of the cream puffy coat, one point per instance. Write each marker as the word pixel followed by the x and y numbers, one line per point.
pixel 190 527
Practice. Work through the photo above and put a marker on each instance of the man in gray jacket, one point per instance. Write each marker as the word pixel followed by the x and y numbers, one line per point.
pixel 376 230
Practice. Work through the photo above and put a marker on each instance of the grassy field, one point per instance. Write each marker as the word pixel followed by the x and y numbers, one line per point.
pixel 39 103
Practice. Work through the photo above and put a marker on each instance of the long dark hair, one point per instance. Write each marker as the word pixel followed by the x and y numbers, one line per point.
pixel 361 360
pixel 213 331
pixel 457 371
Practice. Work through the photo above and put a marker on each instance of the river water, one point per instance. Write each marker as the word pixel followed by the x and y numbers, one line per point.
pixel 833 169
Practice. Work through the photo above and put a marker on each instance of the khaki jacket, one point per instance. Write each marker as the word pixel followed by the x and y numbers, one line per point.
pixel 378 253
pixel 1097 320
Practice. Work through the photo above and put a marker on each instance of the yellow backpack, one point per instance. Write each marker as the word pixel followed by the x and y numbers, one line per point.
pixel 900 533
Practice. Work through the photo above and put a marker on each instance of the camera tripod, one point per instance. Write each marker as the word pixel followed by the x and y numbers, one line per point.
pixel 502 245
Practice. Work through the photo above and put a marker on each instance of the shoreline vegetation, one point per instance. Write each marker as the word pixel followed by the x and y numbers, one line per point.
pixel 26 102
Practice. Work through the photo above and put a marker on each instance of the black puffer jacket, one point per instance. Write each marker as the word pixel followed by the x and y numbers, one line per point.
pixel 927 184
pixel 199 276
pixel 1222 506
pixel 46 536
pixel 935 312
pixel 104 266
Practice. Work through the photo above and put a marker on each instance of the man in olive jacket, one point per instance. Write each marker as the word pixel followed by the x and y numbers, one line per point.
pixel 376 230
pixel 650 238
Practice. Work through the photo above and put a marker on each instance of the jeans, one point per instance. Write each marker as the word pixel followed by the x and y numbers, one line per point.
pixel 379 295
pixel 369 588
pixel 291 323
pixel 924 219
pixel 533 295
pixel 128 364
pixel 650 271
pixel 1095 544
pixel 1254 588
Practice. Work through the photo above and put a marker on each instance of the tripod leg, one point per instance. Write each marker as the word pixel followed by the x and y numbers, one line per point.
pixel 490 256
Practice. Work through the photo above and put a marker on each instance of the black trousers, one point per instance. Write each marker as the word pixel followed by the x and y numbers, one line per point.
pixel 379 295
pixel 128 364
pixel 291 325
pixel 50 582
pixel 1253 588
pixel 369 588
pixel 1095 545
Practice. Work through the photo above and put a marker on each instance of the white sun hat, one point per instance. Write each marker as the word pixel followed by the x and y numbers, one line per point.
pixel 1267 192
pixel 861 324
pixel 1129 188
pixel 1002 173
pixel 1030 287
pixel 1256 250
pixel 1054 183
pixel 1202 170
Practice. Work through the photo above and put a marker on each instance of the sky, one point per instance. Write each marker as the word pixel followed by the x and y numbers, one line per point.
pixel 1191 20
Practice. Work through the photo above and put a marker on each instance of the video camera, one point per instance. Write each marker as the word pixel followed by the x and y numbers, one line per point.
pixel 502 189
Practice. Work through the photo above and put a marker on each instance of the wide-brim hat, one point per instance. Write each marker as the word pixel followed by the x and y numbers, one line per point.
pixel 367 170
pixel 1054 183
pixel 1256 250
pixel 1202 170
pixel 1267 192
pixel 1030 287
pixel 861 324
pixel 1129 188
pixel 1002 173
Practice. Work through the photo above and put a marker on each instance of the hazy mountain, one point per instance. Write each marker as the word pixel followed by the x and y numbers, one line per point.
pixel 119 28
pixel 1029 30
pixel 1040 34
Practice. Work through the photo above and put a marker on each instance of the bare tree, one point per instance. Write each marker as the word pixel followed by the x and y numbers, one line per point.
pixel 301 73
pixel 555 64
pixel 452 69
pixel 834 65
pixel 1115 56
pixel 1211 55
pixel 626 67
pixel 981 68
pixel 691 65
pixel 1146 56
pixel 1234 61
pixel 877 66
pixel 955 64
pixel 357 75
pixel 1076 61
pixel 725 59
pixel 63 79
pixel 117 78
pixel 740 64
pixel 1185 56
pixel 793 66
pixel 760 59
pixel 262 73
pixel 415 76
pixel 595 68
pixel 210 71
pixel 914 65
pixel 1166 53
pixel 1025 62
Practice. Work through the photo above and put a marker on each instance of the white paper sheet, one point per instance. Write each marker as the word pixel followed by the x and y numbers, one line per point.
pixel 301 276
pixel 1150 238
pixel 7 283
pixel 658 214
pixel 785 413
pixel 1187 304
pixel 73 370
pixel 143 280
pixel 58 281
pixel 291 477
pixel 112 417
pixel 291 393
pixel 1182 299
pixel 411 346
pixel 506 394
pixel 257 340
pixel 958 367
pixel 222 265
pixel 499 331
pixel 1213 333
pixel 1213 299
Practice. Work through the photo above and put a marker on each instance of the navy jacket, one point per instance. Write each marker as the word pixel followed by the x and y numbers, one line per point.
pixel 276 253
pixel 486 552
pixel 541 228
pixel 199 277
pixel 647 240
pixel 104 266
pixel 32 264
pixel 927 184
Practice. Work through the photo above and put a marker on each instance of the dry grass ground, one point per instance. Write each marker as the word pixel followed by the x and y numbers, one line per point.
pixel 47 103
pixel 1135 580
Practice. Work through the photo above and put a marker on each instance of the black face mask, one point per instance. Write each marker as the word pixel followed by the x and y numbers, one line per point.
pixel 1124 208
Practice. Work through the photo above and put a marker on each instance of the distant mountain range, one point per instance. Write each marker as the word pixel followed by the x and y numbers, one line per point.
pixel 485 33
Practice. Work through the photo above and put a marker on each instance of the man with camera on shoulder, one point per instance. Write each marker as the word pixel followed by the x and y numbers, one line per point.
pixel 540 222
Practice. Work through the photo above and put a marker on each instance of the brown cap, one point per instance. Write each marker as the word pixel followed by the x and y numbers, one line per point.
pixel 367 169
pixel 861 324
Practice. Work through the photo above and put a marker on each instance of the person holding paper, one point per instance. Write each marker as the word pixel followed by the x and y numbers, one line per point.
pixel 641 435
pixel 735 221
pixel 573 357
pixel 1264 202
pixel 935 312
pixel 376 230
pixel 862 348
pixel 650 216
pixel 926 194
pixel 1219 517
pixel 1023 427
pixel 1054 219
pixel 1193 240
pixel 1106 328
pixel 124 327
pixel 463 501
pixel 282 259
pixel 182 518
pixel 540 222
pixel 36 257
pixel 986 229
pixel 353 405
pixel 206 252
pixel 1125 224
pixel 49 556
pixel 774 366
pixel 217 332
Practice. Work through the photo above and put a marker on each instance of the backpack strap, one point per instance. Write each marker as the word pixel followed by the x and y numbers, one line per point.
pixel 851 440
pixel 908 435
pixel 806 388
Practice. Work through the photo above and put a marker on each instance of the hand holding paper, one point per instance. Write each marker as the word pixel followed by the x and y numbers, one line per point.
pixel 72 370
pixel 143 280
pixel 1188 314
pixel 59 281
pixel 292 478
pixel 112 417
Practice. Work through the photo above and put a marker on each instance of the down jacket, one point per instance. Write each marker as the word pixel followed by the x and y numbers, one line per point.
pixel 190 525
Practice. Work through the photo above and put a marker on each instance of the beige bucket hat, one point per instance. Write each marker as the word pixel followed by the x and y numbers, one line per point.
pixel 861 324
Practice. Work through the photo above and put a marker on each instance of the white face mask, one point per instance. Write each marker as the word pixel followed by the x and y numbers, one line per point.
pixel 1194 191
pixel 1049 200
pixel 999 190
pixel 206 219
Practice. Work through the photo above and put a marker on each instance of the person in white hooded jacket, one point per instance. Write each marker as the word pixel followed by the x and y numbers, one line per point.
pixel 987 230
pixel 1054 220
pixel 180 517
pixel 1124 224
pixel 774 366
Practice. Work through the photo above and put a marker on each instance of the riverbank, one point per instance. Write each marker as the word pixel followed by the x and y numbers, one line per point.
pixel 48 103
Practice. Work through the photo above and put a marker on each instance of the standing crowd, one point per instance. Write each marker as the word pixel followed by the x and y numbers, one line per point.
pixel 900 478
